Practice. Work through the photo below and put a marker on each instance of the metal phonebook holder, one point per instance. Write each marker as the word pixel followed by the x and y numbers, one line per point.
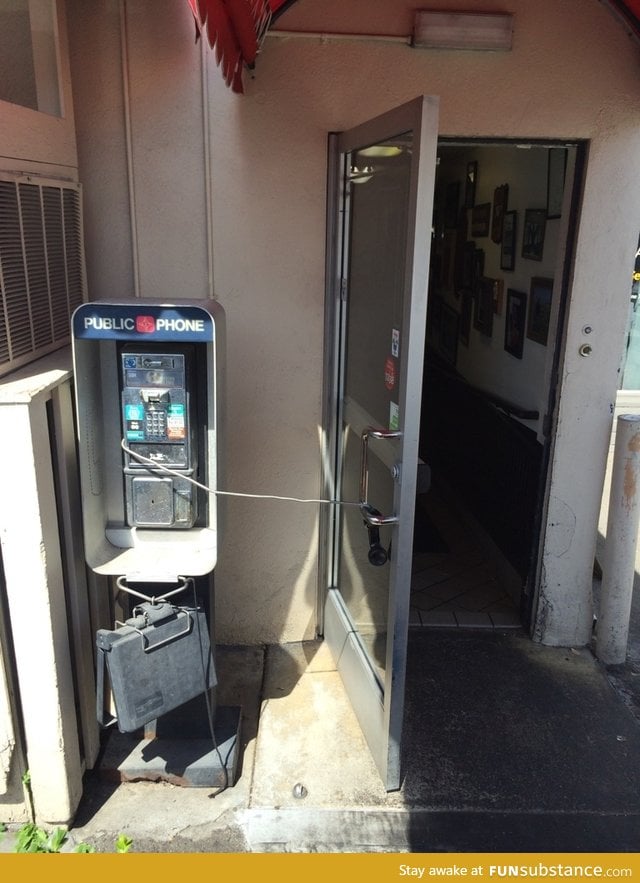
pixel 156 660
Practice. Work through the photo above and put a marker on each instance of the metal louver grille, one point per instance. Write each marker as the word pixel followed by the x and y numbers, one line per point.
pixel 41 267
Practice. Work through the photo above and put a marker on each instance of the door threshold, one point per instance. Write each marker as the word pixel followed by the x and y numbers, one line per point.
pixel 464 619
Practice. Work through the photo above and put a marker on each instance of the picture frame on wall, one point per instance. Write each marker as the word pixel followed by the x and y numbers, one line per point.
pixel 556 172
pixel 470 185
pixel 480 220
pixel 535 221
pixel 540 298
pixel 508 250
pixel 500 200
pixel 515 321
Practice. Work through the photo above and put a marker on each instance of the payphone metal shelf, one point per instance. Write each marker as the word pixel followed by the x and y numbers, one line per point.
pixel 149 555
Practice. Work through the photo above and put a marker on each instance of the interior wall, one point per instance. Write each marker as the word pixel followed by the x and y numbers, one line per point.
pixel 482 358
pixel 266 153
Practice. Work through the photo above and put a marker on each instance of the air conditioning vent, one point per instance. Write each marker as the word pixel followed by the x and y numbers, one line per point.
pixel 42 277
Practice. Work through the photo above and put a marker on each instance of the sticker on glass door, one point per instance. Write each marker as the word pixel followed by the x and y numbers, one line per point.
pixel 389 373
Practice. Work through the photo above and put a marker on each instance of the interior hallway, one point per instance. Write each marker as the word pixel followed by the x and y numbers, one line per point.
pixel 455 584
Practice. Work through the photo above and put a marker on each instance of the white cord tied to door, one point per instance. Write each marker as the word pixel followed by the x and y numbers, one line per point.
pixel 152 465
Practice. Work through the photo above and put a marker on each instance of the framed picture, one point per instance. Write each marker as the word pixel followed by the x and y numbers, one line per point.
pixel 508 251
pixel 481 219
pixel 449 334
pixel 470 185
pixel 500 199
pixel 483 316
pixel 556 169
pixel 451 205
pixel 540 295
pixel 515 322
pixel 535 221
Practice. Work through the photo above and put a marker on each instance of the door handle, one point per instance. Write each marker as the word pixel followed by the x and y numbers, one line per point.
pixel 371 516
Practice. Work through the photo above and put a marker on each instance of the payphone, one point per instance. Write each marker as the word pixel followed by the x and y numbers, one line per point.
pixel 147 379
pixel 149 420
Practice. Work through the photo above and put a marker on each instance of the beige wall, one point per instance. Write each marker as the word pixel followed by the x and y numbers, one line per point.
pixel 261 158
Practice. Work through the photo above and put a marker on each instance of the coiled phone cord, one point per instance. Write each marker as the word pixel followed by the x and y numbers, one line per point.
pixel 146 461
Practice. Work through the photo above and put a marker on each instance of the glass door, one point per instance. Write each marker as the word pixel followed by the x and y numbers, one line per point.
pixel 384 175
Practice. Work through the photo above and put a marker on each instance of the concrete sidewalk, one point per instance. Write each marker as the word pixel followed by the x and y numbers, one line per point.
pixel 509 746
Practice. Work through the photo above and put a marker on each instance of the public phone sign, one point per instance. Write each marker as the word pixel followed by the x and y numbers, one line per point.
pixel 142 322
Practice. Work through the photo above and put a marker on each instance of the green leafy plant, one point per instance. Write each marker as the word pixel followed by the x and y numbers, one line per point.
pixel 123 843
pixel 32 838
pixel 26 781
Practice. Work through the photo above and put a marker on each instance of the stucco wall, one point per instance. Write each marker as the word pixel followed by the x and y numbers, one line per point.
pixel 572 73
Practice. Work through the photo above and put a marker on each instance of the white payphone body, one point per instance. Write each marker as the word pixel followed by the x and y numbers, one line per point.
pixel 148 403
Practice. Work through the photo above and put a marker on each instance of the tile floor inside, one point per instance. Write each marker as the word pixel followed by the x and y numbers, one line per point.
pixel 454 584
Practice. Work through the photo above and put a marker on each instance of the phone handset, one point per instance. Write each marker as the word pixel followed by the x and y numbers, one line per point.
pixel 377 554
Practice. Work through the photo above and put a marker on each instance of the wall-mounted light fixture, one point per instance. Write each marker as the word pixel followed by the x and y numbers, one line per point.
pixel 462 30
pixel 360 175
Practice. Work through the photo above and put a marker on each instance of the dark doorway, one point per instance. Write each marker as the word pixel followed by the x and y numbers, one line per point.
pixel 495 310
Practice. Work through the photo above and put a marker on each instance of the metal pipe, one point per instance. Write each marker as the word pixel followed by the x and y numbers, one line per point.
pixel 326 36
pixel 618 568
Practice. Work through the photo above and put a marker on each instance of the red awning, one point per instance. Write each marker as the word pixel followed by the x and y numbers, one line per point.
pixel 235 28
